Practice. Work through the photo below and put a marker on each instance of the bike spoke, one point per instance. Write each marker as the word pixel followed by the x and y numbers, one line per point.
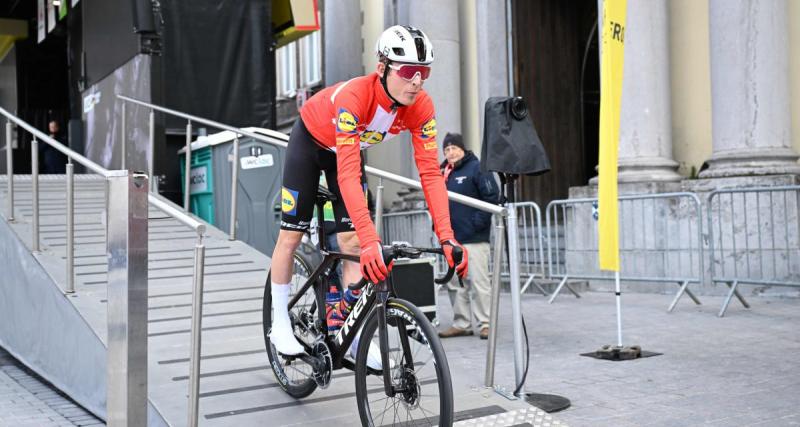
pixel 426 413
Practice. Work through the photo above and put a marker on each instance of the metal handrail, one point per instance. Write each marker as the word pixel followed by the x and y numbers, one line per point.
pixel 275 138
pixel 154 199
pixel 38 135
pixel 55 144
pixel 172 210
pixel 460 198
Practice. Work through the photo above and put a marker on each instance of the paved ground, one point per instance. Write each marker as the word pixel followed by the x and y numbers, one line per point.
pixel 739 370
pixel 25 400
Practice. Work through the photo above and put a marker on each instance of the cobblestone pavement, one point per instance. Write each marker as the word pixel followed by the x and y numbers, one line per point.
pixel 740 370
pixel 26 400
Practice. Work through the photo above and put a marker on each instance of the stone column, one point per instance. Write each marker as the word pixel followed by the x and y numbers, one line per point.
pixel 439 20
pixel 645 150
pixel 342 47
pixel 751 127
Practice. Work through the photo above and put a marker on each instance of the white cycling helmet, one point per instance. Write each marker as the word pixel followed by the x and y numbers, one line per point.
pixel 400 43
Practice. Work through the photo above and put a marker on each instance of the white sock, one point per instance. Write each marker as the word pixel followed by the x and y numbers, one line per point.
pixel 280 302
pixel 281 335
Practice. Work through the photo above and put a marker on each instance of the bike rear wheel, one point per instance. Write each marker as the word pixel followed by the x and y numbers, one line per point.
pixel 294 376
pixel 419 371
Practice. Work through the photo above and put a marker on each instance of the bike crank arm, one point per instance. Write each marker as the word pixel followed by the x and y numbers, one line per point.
pixel 315 363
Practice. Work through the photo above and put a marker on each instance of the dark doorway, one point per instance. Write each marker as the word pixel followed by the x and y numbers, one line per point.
pixel 556 70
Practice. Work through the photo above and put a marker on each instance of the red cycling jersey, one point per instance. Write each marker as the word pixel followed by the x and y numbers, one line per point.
pixel 356 114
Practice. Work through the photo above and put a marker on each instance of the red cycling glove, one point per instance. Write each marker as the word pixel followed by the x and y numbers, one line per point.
pixel 372 266
pixel 461 268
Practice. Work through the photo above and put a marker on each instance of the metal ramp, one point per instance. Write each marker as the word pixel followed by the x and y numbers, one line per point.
pixel 68 349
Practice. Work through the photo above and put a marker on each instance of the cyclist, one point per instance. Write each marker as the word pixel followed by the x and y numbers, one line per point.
pixel 334 126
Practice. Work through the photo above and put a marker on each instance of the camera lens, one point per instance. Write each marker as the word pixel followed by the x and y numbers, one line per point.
pixel 519 108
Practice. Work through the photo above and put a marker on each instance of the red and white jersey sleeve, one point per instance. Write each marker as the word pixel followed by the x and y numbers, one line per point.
pixel 423 137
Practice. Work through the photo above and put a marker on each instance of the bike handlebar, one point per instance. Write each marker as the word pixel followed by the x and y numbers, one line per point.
pixel 390 253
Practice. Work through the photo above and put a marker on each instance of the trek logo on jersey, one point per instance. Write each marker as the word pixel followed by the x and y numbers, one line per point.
pixel 346 121
pixel 289 201
pixel 429 129
pixel 372 137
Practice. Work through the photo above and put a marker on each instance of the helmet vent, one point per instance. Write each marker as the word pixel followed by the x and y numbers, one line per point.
pixel 399 51
pixel 420 44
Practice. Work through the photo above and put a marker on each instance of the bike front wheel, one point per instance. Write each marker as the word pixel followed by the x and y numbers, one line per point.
pixel 419 372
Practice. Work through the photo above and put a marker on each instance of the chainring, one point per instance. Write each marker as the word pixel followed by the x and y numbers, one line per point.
pixel 323 353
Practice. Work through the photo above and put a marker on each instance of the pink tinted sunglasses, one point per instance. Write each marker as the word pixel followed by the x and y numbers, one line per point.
pixel 409 71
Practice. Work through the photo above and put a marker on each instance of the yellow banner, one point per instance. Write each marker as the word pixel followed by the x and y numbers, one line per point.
pixel 613 54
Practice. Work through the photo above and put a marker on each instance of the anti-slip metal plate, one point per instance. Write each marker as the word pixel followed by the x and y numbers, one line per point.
pixel 528 417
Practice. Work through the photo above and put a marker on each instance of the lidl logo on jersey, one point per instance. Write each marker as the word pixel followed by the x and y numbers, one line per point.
pixel 429 129
pixel 346 122
pixel 372 137
pixel 289 201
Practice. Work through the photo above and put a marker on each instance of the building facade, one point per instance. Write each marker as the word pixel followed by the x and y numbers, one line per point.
pixel 711 88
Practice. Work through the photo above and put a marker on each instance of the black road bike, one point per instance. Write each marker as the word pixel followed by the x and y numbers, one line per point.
pixel 415 390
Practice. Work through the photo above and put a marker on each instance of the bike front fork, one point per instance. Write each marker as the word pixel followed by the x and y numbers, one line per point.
pixel 383 338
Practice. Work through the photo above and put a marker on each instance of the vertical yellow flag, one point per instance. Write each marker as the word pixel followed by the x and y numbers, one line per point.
pixel 613 54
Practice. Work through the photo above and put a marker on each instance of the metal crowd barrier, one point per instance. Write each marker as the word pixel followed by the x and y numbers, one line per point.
pixel 415 227
pixel 531 246
pixel 660 240
pixel 754 238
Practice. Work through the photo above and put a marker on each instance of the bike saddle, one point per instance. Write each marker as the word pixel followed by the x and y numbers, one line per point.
pixel 324 195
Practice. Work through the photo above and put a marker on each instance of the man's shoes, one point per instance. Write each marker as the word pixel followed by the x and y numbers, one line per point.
pixel 484 334
pixel 455 332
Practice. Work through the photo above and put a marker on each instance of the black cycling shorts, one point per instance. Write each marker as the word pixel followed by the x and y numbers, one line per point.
pixel 305 160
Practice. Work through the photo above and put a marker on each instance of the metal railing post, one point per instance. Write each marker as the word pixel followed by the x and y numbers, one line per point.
pixel 152 155
pixel 541 238
pixel 187 174
pixel 499 238
pixel 70 228
pixel 124 137
pixel 516 303
pixel 234 186
pixel 10 169
pixel 197 325
pixel 379 207
pixel 35 190
pixel 126 219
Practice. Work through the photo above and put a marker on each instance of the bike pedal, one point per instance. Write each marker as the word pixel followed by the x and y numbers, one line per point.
pixel 372 371
pixel 292 357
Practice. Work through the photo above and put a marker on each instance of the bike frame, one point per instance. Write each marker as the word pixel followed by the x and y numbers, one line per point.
pixel 381 292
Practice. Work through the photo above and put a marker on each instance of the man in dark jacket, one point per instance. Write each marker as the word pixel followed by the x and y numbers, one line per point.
pixel 52 160
pixel 462 174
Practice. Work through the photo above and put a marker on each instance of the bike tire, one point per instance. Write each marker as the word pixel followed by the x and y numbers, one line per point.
pixel 401 312
pixel 298 389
